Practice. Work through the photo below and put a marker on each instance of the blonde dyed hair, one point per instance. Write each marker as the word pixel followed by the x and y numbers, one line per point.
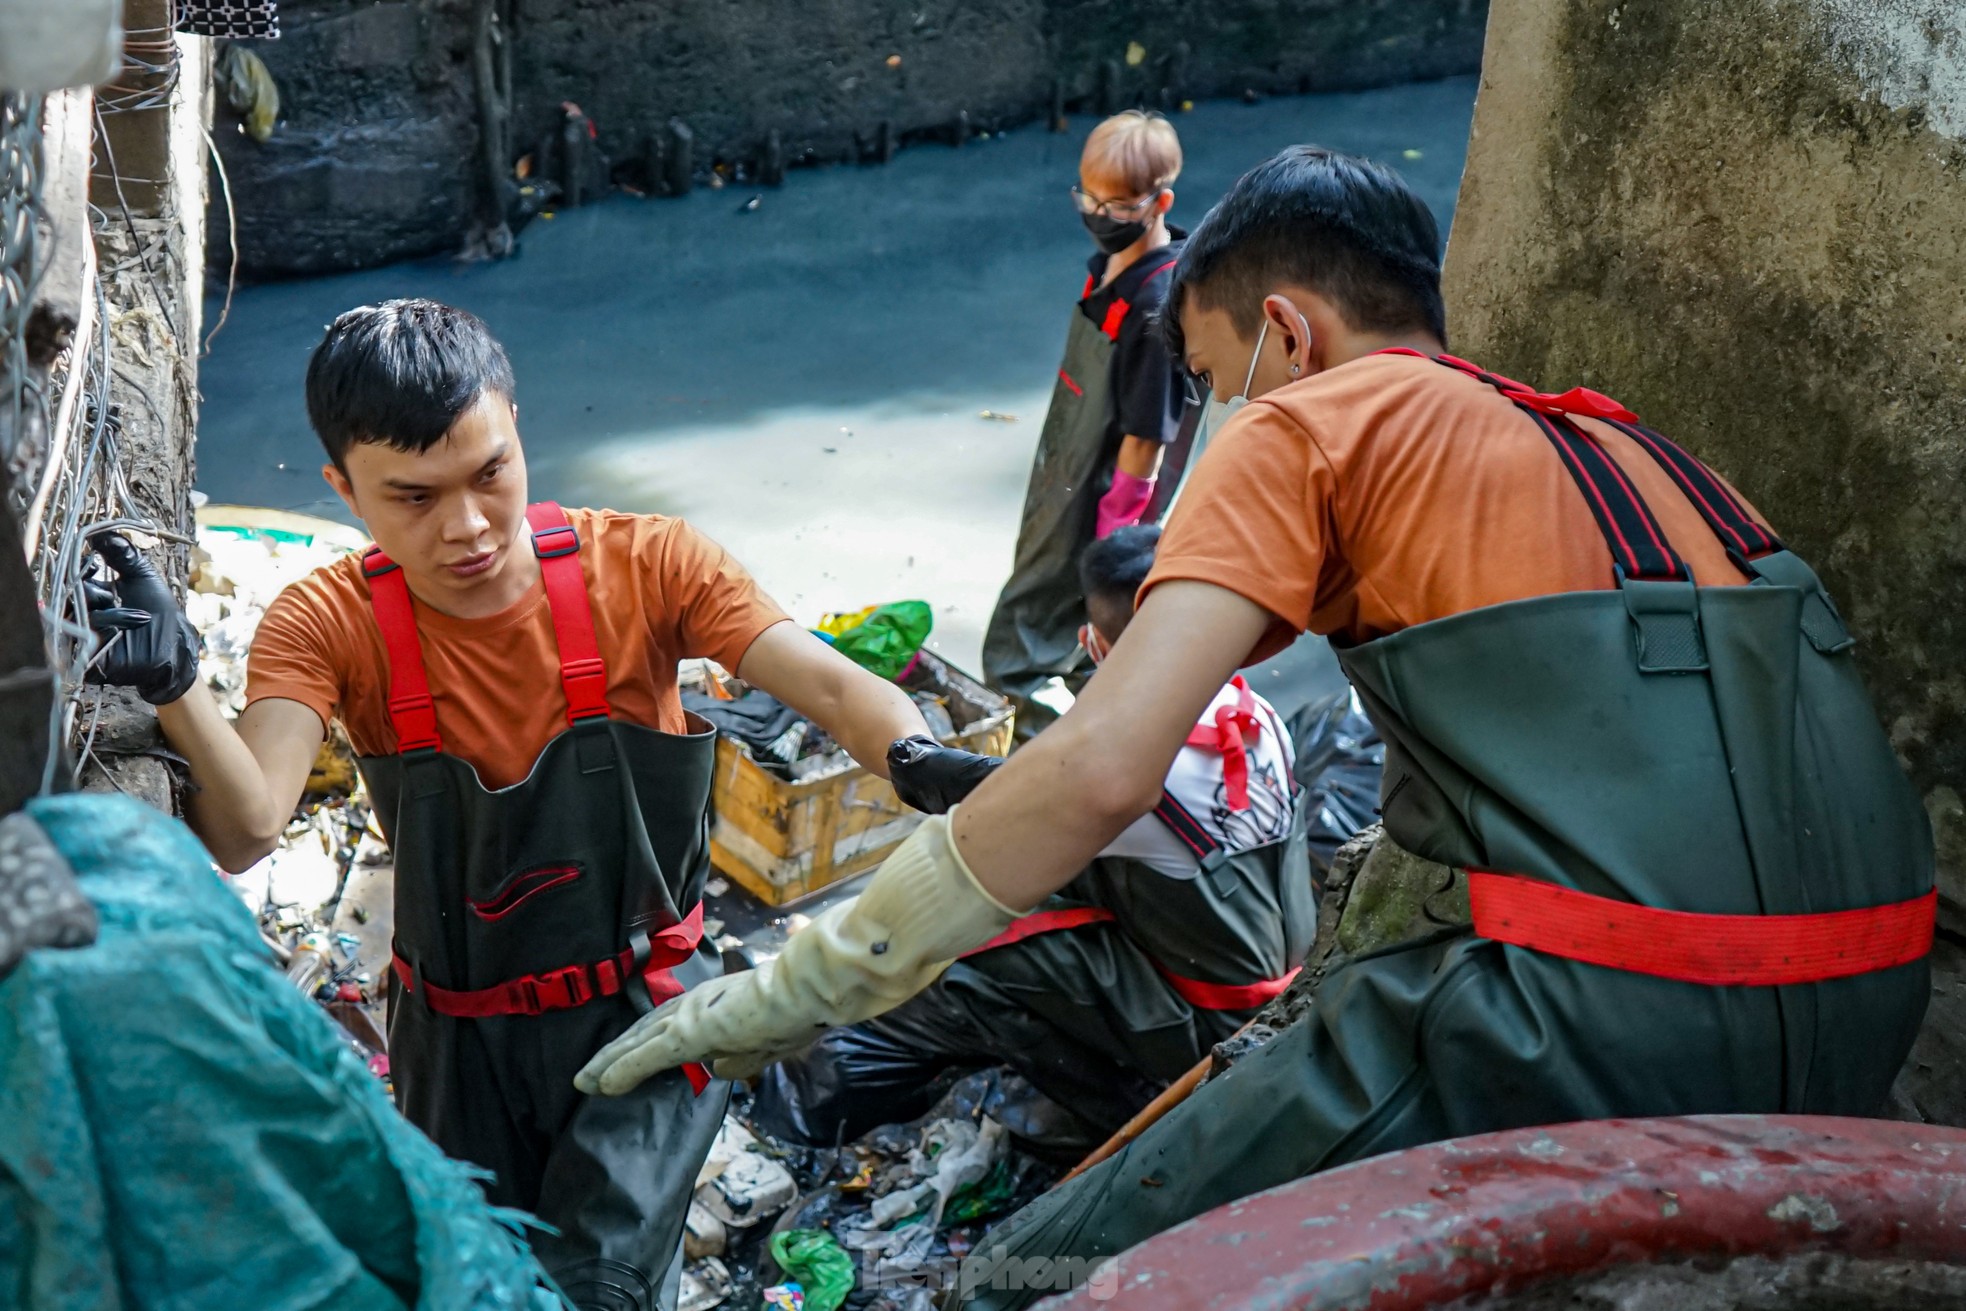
pixel 1136 145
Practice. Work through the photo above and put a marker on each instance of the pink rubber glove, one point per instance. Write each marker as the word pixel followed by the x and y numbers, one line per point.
pixel 1124 502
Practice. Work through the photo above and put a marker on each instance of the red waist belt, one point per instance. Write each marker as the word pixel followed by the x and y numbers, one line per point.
pixel 1718 950
pixel 574 985
pixel 1206 996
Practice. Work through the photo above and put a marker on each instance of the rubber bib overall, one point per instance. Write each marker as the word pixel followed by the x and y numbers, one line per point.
pixel 1715 892
pixel 1100 998
pixel 533 924
pixel 1033 633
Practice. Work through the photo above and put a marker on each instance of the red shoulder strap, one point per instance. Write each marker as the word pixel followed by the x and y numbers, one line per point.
pixel 582 672
pixel 411 711
pixel 1739 531
pixel 1632 532
pixel 1578 400
pixel 1116 312
pixel 1115 315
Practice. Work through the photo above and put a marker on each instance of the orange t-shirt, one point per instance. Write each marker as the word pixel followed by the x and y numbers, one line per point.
pixel 660 591
pixel 1391 491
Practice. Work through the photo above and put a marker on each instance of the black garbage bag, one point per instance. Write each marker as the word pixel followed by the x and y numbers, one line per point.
pixel 893 1068
pixel 526 200
pixel 1339 761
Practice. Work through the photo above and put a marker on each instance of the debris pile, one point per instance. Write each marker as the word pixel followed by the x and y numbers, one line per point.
pixel 877 1225
pixel 329 941
pixel 236 572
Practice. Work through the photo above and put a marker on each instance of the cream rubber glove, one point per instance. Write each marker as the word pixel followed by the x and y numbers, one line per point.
pixel 921 910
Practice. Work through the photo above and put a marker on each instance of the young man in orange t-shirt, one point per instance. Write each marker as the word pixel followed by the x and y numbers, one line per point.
pixel 507 675
pixel 1700 882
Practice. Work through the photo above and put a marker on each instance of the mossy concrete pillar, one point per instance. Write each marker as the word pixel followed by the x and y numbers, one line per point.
pixel 1746 219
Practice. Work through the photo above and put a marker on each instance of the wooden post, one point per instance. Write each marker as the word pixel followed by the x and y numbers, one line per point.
pixel 133 169
pixel 491 56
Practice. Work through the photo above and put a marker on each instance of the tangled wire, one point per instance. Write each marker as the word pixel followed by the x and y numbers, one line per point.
pixel 59 428
pixel 21 265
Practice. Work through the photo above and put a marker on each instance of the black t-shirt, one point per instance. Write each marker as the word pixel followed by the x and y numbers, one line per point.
pixel 1150 391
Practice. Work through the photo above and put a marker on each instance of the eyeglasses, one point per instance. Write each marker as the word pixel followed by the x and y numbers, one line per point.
pixel 1114 208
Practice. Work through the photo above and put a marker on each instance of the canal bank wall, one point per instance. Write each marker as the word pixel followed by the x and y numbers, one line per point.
pixel 1746 219
pixel 394 114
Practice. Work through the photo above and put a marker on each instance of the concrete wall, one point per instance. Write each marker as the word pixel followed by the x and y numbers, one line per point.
pixel 374 156
pixel 819 72
pixel 1747 220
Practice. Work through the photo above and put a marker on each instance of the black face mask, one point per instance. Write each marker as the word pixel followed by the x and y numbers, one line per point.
pixel 1112 235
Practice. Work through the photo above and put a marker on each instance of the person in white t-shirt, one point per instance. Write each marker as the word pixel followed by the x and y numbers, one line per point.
pixel 1111 571
pixel 1096 1000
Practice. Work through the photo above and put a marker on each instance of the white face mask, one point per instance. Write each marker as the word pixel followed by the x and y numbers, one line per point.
pixel 1235 403
pixel 1216 413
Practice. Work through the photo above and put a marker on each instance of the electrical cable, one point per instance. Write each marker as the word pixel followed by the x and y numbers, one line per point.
pixel 130 222
pixel 22 264
pixel 231 237
pixel 66 468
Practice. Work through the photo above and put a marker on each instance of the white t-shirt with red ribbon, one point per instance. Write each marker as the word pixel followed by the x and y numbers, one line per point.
pixel 1232 776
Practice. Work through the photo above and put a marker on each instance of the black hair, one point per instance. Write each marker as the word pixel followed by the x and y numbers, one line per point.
pixel 399 374
pixel 1117 563
pixel 1347 228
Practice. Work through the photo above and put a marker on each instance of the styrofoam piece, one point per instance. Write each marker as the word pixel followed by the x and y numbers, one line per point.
pixel 740 1186
pixel 45 47
pixel 703 1233
pixel 706 1284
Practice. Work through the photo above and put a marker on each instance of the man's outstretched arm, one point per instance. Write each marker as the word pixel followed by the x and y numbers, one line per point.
pixel 247 778
pixel 245 782
pixel 863 712
pixel 879 724
pixel 1023 834
pixel 1055 805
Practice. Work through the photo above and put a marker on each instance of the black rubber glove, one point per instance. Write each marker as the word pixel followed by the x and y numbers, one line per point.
pixel 157 652
pixel 931 777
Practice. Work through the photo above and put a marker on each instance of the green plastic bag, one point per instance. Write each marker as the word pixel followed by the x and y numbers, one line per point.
pixel 818 1263
pixel 886 639
pixel 990 1196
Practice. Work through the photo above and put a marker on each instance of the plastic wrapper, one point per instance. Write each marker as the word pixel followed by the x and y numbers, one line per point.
pixel 738 1184
pixel 706 1283
pixel 821 1267
pixel 886 638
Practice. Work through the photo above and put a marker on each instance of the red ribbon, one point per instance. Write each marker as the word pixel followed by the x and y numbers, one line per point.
pixel 1234 727
pixel 669 948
